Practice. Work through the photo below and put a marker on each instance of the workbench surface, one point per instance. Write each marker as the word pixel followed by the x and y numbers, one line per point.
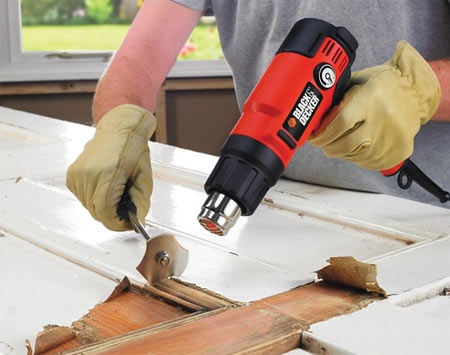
pixel 57 262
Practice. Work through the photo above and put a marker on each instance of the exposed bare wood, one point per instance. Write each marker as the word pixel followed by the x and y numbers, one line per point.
pixel 236 330
pixel 271 325
pixel 161 117
pixel 320 301
pixel 112 342
pixel 167 297
pixel 192 294
pixel 48 87
pixel 68 345
pixel 199 84
pixel 88 86
pixel 277 346
pixel 125 312
pixel 131 308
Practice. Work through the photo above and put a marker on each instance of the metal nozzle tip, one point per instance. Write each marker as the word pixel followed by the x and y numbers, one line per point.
pixel 219 213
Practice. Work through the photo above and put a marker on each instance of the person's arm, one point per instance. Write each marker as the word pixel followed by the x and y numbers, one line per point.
pixel 146 55
pixel 117 159
pixel 442 70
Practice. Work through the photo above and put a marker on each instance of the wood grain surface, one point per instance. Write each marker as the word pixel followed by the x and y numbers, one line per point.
pixel 270 325
pixel 126 312
pixel 252 328
pixel 319 301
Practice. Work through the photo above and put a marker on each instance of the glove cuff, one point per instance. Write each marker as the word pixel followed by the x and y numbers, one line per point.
pixel 129 119
pixel 421 77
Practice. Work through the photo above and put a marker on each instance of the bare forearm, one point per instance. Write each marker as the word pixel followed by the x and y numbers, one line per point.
pixel 146 55
pixel 442 71
pixel 125 82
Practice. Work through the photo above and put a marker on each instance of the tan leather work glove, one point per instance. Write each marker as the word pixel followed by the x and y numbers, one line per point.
pixel 118 153
pixel 375 123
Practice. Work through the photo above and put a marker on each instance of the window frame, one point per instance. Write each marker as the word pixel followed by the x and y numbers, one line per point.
pixel 17 65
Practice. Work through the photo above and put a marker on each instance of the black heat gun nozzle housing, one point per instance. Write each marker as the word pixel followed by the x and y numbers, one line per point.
pixel 245 171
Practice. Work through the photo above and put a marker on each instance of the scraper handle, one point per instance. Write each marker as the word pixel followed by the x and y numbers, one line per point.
pixel 125 204
pixel 127 210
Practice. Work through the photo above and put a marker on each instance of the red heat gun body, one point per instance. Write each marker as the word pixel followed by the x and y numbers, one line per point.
pixel 308 75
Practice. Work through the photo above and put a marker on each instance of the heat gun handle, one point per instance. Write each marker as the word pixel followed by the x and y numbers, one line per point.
pixel 409 172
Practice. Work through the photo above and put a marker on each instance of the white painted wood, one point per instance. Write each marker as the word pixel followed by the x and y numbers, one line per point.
pixel 414 267
pixel 45 125
pixel 273 235
pixel 288 238
pixel 297 352
pixel 421 293
pixel 56 221
pixel 39 288
pixel 386 210
pixel 316 345
pixel 276 249
pixel 383 327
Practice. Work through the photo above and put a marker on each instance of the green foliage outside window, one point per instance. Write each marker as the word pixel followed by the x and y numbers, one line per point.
pixel 98 25
pixel 37 12
pixel 99 11
pixel 69 12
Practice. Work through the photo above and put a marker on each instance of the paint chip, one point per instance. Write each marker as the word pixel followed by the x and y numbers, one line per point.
pixel 49 338
pixel 122 286
pixel 346 270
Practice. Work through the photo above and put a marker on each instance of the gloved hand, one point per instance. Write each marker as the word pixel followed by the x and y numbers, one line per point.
pixel 118 153
pixel 375 123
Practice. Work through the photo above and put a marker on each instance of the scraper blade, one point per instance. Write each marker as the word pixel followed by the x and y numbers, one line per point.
pixel 164 256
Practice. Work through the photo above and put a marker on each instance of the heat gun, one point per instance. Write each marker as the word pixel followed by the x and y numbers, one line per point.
pixel 308 75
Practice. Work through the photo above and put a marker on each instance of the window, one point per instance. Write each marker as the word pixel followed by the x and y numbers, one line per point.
pixel 62 39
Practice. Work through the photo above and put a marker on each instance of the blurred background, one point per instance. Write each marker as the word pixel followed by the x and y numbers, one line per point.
pixel 99 25
pixel 195 109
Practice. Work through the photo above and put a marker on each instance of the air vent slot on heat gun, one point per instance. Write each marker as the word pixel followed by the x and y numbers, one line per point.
pixel 343 63
pixel 328 47
pixel 336 54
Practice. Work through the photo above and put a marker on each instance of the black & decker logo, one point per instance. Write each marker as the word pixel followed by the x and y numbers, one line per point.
pixel 303 110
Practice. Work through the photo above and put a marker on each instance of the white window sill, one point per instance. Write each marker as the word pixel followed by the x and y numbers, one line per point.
pixel 17 72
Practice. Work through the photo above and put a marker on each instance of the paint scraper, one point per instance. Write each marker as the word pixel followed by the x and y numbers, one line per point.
pixel 164 256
